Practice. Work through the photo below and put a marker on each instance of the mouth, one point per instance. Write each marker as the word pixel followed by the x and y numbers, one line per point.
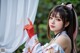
pixel 52 26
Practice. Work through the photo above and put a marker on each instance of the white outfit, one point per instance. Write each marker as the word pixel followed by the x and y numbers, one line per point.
pixel 43 49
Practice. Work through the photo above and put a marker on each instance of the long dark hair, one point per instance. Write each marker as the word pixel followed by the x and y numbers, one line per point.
pixel 67 15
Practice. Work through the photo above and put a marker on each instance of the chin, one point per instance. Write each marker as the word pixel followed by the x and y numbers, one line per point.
pixel 52 29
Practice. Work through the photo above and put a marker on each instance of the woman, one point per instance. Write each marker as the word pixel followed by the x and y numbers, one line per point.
pixel 62 22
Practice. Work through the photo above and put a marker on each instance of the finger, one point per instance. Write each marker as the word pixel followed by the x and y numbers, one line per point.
pixel 30 21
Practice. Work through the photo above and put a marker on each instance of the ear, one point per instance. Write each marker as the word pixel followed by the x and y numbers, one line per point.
pixel 67 24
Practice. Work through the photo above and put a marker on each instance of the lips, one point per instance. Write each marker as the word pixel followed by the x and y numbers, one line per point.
pixel 52 26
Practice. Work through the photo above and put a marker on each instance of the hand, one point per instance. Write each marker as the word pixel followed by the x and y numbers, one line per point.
pixel 29 28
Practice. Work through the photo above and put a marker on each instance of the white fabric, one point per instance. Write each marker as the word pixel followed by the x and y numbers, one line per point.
pixel 56 47
pixel 43 49
pixel 30 44
pixel 13 17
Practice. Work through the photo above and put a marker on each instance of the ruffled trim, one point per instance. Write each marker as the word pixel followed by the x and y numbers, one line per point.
pixel 56 48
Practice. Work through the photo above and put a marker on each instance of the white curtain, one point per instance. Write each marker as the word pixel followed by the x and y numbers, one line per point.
pixel 13 17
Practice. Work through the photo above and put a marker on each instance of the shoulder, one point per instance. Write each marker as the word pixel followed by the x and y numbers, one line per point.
pixel 64 41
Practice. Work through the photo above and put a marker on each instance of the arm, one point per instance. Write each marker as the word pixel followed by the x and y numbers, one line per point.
pixel 32 42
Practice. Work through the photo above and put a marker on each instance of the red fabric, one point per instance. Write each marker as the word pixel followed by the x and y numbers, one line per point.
pixel 29 28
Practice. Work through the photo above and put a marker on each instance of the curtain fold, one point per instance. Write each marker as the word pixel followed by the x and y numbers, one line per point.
pixel 13 17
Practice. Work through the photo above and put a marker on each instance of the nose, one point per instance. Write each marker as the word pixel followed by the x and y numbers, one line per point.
pixel 53 21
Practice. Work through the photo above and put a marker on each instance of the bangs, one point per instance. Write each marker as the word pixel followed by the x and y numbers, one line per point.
pixel 61 11
pixel 54 13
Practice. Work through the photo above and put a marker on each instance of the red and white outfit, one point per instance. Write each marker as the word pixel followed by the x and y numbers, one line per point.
pixel 32 47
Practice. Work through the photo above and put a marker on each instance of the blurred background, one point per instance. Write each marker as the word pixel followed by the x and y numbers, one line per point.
pixel 40 24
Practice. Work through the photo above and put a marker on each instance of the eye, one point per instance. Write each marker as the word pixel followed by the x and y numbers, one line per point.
pixel 58 19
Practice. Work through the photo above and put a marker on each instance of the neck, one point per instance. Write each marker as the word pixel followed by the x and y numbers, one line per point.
pixel 56 32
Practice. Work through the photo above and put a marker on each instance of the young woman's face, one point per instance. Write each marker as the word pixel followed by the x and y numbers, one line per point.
pixel 55 23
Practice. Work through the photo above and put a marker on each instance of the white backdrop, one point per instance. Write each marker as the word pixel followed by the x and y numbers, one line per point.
pixel 13 17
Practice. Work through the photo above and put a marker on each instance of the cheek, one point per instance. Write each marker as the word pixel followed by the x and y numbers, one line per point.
pixel 59 24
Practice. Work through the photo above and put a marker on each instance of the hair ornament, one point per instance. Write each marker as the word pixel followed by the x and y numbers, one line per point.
pixel 63 4
pixel 68 5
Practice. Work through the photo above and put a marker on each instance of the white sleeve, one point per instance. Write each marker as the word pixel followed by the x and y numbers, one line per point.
pixel 31 44
pixel 40 49
pixel 56 48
